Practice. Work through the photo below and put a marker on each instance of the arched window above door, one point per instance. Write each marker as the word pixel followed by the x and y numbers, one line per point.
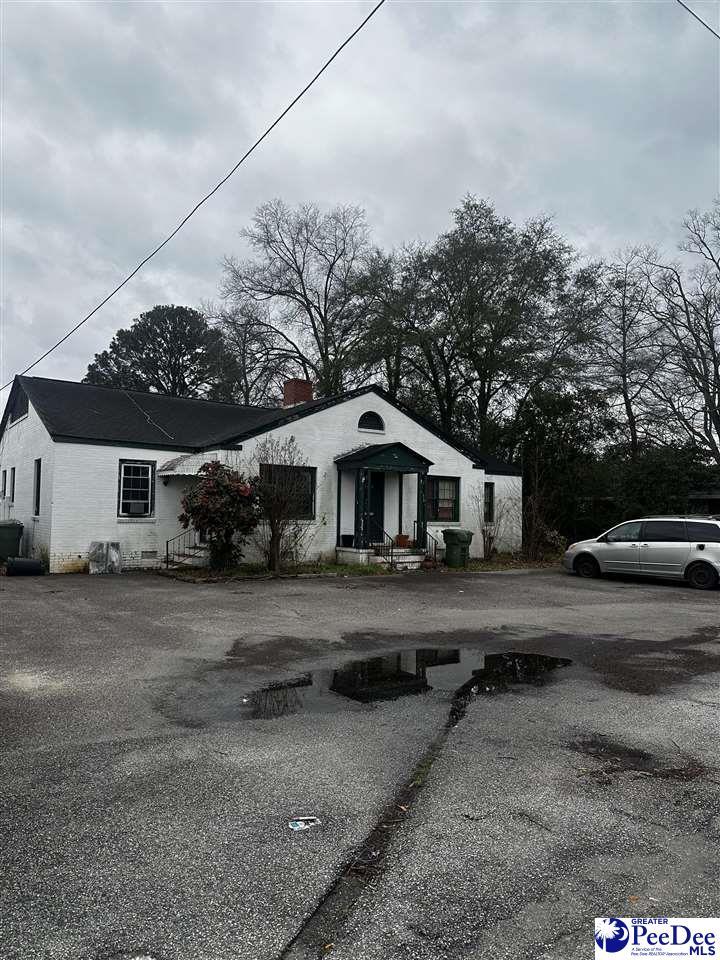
pixel 371 421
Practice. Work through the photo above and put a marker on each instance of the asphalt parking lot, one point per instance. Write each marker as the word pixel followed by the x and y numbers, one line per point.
pixel 159 736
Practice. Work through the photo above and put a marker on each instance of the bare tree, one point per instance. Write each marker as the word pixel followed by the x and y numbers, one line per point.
pixel 687 311
pixel 286 491
pixel 625 360
pixel 256 361
pixel 305 272
pixel 502 528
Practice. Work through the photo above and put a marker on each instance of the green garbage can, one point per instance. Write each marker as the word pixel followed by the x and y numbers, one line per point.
pixel 457 546
pixel 10 535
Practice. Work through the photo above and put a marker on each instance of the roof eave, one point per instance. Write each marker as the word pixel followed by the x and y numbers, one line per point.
pixel 292 415
pixel 144 445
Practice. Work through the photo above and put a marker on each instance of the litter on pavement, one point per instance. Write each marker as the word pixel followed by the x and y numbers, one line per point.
pixel 304 823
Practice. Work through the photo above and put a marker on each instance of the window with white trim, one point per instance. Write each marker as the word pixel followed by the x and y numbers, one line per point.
pixel 371 421
pixel 136 488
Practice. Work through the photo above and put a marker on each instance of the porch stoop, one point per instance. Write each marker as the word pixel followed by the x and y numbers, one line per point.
pixel 403 558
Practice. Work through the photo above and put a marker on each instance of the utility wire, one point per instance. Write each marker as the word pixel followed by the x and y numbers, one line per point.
pixel 699 19
pixel 207 196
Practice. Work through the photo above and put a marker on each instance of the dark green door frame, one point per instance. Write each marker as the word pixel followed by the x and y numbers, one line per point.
pixel 362 533
pixel 421 509
pixel 362 488
pixel 338 502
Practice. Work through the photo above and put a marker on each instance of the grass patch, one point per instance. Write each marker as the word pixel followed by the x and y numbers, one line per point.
pixel 511 561
pixel 258 571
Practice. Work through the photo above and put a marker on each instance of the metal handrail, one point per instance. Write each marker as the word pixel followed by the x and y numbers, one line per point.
pixel 431 545
pixel 184 544
pixel 386 547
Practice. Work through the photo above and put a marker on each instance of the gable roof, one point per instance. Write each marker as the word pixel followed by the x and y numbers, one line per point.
pixel 84 413
pixel 385 456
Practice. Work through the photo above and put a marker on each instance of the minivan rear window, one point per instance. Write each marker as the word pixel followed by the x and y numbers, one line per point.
pixel 703 532
pixel 664 531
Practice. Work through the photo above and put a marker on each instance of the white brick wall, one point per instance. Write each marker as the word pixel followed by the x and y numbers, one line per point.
pixel 86 505
pixel 80 485
pixel 22 443
pixel 333 432
pixel 508 510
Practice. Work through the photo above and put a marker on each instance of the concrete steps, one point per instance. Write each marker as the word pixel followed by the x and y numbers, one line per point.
pixel 403 559
pixel 198 556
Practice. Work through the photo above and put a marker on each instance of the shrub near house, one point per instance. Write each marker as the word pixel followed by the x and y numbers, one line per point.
pixel 224 505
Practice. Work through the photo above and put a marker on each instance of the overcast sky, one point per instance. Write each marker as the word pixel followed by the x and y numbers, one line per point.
pixel 119 116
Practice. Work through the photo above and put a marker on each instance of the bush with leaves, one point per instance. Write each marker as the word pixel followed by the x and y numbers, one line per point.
pixel 224 505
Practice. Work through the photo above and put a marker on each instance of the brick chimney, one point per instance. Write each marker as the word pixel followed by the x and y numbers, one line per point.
pixel 296 391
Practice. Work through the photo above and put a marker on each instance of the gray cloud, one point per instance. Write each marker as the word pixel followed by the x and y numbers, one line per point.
pixel 118 116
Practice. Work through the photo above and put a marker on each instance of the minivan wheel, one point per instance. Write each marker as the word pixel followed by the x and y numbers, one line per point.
pixel 587 566
pixel 701 576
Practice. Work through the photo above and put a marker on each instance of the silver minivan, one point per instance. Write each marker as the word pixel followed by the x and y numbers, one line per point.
pixel 681 548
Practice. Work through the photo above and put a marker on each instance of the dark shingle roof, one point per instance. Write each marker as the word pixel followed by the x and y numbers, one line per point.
pixel 90 414
pixel 500 468
pixel 81 411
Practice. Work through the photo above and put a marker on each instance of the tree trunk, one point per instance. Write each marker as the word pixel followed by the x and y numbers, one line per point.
pixel 274 551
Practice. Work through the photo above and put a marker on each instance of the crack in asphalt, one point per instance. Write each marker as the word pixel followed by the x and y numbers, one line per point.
pixel 319 928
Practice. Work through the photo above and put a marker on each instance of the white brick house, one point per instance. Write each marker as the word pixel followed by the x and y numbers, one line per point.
pixel 80 463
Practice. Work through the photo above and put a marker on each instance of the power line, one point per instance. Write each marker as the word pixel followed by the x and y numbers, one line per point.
pixel 699 19
pixel 207 196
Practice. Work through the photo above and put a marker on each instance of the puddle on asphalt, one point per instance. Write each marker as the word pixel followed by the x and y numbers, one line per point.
pixel 464 674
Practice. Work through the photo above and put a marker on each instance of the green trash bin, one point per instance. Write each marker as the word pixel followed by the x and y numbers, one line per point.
pixel 457 546
pixel 10 535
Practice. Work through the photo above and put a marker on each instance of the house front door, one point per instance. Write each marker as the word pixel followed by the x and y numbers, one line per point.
pixel 376 507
